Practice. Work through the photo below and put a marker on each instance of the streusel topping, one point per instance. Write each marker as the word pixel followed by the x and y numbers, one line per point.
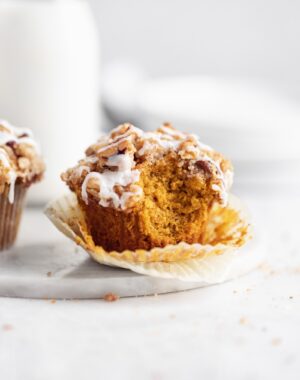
pixel 19 158
pixel 110 171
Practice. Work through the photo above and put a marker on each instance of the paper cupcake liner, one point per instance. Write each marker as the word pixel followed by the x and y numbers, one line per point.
pixel 227 230
pixel 10 215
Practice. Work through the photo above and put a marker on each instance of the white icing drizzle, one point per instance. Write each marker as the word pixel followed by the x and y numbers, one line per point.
pixel 4 158
pixel 136 191
pixel 173 133
pixel 114 144
pixel 134 129
pixel 11 175
pixel 166 138
pixel 109 179
pixel 223 185
pixel 18 136
pixel 12 180
pixel 200 144
pixel 91 159
pixel 165 141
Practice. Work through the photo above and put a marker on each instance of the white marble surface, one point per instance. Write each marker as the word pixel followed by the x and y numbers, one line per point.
pixel 65 271
pixel 245 329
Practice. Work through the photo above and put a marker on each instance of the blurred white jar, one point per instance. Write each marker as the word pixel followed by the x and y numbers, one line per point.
pixel 49 70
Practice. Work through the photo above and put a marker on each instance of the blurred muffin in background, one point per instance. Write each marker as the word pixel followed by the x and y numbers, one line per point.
pixel 20 166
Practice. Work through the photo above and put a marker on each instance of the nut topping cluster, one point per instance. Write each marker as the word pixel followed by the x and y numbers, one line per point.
pixel 19 156
pixel 110 171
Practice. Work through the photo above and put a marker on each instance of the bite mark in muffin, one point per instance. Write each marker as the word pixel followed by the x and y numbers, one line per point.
pixel 148 189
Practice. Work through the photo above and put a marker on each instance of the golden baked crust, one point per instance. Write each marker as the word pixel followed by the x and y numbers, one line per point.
pixel 148 189
pixel 20 161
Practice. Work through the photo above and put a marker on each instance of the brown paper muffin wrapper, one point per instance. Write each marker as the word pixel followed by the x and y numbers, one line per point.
pixel 218 258
pixel 10 215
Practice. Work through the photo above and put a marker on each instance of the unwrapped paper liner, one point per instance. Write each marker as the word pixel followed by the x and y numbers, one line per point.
pixel 227 231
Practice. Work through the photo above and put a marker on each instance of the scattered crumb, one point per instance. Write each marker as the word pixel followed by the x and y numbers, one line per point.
pixel 248 290
pixel 49 274
pixel 291 297
pixel 267 269
pixel 53 301
pixel 243 321
pixel 276 341
pixel 264 267
pixel 111 297
pixel 234 292
pixel 7 327
pixel 172 316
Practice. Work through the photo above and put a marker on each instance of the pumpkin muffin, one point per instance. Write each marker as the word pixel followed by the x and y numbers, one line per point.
pixel 140 190
pixel 20 166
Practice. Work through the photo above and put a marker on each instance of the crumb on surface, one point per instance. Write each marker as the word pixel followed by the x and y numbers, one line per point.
pixel 265 267
pixel 7 327
pixel 49 274
pixel 276 341
pixel 243 321
pixel 53 301
pixel 111 297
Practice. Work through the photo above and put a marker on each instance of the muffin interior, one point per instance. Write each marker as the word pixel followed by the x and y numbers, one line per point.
pixel 175 204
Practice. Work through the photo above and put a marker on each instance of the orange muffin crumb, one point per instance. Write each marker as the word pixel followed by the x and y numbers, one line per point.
pixel 111 297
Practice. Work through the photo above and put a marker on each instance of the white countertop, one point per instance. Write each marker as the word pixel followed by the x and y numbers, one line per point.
pixel 245 329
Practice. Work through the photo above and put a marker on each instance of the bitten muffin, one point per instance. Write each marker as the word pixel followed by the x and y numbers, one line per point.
pixel 20 166
pixel 140 190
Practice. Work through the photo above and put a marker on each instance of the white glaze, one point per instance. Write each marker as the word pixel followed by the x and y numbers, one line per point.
pixel 12 180
pixel 167 142
pixel 223 185
pixel 114 144
pixel 13 134
pixel 173 133
pixel 4 158
pixel 167 139
pixel 109 179
pixel 91 159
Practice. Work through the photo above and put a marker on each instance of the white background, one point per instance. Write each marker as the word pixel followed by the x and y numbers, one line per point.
pixel 257 39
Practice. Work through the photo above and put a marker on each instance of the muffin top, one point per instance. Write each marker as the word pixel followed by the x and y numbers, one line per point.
pixel 111 170
pixel 20 161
